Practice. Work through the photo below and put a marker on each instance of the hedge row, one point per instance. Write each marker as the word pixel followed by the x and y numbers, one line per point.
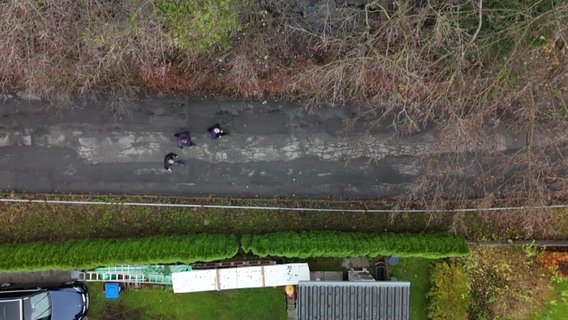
pixel 450 295
pixel 87 254
pixel 346 244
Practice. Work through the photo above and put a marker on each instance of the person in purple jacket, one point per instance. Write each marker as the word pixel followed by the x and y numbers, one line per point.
pixel 183 139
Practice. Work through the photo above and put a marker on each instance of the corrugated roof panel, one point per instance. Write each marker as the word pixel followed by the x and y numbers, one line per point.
pixel 345 300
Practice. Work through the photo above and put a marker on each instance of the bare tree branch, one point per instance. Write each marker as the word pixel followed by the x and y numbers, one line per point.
pixel 479 21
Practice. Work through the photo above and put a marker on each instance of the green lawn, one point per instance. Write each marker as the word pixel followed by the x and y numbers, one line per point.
pixel 417 271
pixel 159 303
pixel 557 308
pixel 265 303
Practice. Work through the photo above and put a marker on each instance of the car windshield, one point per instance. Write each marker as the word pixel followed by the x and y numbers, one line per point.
pixel 37 307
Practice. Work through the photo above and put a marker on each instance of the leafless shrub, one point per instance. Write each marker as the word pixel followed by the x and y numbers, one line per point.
pixel 118 42
pixel 395 67
pixel 243 75
pixel 54 47
pixel 37 46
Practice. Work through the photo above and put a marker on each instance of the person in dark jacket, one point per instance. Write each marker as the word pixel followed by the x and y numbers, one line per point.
pixel 171 160
pixel 216 131
pixel 183 139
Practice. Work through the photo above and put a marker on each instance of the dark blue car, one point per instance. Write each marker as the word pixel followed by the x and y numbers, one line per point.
pixel 61 303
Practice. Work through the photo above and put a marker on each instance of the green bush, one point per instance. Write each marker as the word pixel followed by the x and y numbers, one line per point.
pixel 346 244
pixel 450 292
pixel 87 254
pixel 196 25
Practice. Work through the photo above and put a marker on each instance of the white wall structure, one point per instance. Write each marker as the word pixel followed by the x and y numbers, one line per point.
pixel 241 277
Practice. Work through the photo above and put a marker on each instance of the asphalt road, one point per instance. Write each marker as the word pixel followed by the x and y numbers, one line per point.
pixel 274 149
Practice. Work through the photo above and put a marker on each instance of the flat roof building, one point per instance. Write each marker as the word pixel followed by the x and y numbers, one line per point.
pixel 353 300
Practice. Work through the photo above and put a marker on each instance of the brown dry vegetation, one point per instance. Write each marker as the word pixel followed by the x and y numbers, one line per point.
pixel 557 261
pixel 414 66
pixel 19 221
pixel 507 283
pixel 467 72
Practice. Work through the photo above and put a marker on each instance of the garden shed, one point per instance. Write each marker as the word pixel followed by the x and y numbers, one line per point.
pixel 361 300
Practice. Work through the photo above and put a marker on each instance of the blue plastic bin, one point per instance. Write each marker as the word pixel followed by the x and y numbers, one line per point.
pixel 112 290
pixel 393 261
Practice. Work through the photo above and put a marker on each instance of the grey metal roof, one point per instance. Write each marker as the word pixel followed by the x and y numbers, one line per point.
pixel 347 300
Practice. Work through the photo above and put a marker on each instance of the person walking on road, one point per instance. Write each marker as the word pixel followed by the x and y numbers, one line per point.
pixel 171 160
pixel 183 139
pixel 216 131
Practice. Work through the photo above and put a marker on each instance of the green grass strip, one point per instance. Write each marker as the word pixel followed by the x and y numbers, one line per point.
pixel 88 254
pixel 349 244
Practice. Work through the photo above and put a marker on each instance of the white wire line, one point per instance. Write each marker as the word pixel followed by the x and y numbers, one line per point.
pixel 539 243
pixel 233 207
